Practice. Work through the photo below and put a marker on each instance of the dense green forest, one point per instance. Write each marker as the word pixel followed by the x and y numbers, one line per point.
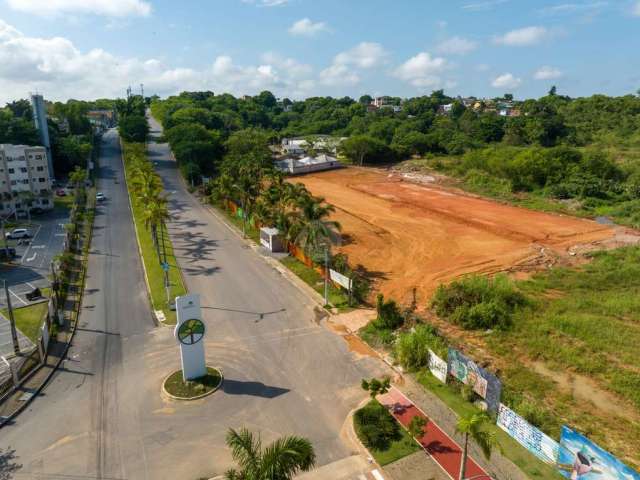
pixel 580 154
pixel 70 146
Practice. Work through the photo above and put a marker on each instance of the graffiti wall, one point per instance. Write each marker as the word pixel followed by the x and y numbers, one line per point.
pixel 531 438
pixel 437 366
pixel 581 459
pixel 483 382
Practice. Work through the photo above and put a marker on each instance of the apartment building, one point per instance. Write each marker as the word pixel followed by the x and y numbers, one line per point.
pixel 24 179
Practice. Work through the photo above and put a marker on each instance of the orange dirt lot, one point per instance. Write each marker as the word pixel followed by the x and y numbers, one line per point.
pixel 416 235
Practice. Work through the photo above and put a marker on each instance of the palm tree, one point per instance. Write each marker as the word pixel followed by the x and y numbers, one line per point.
pixel 313 229
pixel 280 460
pixel 155 214
pixel 475 426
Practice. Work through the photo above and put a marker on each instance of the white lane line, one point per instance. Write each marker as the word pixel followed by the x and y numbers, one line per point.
pixel 32 257
pixel 37 246
pixel 30 285
pixel 60 234
pixel 29 246
pixel 23 302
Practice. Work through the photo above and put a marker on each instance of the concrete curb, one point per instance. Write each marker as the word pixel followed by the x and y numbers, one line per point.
pixel 197 397
pixel 135 228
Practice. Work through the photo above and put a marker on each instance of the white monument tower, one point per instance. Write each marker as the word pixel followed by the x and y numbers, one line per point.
pixel 189 332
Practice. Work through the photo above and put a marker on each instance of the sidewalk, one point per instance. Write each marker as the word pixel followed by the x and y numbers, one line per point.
pixel 442 448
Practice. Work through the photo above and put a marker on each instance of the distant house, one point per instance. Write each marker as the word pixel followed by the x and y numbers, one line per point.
pixel 395 108
pixel 299 146
pixel 383 102
pixel 445 109
pixel 372 108
pixel 298 166
pixel 101 119
pixel 293 146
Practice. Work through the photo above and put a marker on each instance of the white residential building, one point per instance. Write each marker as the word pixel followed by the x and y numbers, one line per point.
pixel 298 166
pixel 24 177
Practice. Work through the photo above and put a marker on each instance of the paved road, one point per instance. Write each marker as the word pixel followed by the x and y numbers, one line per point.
pixel 103 415
pixel 78 426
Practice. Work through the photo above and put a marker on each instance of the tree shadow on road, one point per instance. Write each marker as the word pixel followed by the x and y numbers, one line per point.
pixel 8 466
pixel 253 389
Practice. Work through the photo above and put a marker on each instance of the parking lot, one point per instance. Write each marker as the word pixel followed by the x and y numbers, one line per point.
pixel 31 267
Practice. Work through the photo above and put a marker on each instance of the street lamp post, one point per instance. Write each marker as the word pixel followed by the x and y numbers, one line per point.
pixel 12 321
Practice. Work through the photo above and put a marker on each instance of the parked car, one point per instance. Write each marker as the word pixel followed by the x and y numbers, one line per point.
pixel 18 233
pixel 7 253
pixel 100 197
pixel 61 192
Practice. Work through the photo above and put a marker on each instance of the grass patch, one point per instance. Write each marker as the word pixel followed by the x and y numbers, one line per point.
pixel 385 438
pixel 152 264
pixel 511 449
pixel 177 387
pixel 337 297
pixel 29 319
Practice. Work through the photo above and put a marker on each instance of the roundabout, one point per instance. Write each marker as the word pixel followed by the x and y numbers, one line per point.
pixel 175 387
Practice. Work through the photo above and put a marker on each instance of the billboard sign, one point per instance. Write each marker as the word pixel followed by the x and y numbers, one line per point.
pixel 437 366
pixel 581 459
pixel 483 382
pixel 340 279
pixel 531 438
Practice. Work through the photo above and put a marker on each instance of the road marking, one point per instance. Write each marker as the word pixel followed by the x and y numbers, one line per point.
pixel 60 234
pixel 30 285
pixel 32 257
pixel 23 302
pixel 38 246
pixel 29 246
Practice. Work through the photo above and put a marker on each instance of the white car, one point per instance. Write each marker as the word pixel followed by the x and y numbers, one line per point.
pixel 100 197
pixel 18 233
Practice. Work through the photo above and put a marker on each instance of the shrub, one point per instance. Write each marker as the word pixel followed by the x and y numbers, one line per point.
pixel 412 348
pixel 478 302
pixel 375 426
pixel 389 315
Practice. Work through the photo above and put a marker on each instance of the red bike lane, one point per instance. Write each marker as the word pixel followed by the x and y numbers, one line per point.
pixel 442 448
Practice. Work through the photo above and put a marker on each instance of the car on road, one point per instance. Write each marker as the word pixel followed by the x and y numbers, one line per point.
pixel 18 233
pixel 100 197
pixel 61 192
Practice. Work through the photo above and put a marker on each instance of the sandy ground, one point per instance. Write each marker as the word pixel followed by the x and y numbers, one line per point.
pixel 411 235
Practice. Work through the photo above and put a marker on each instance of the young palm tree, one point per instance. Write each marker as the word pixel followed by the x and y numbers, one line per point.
pixel 280 460
pixel 155 214
pixel 475 426
pixel 313 229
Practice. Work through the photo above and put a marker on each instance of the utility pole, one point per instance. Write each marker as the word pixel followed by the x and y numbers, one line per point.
pixel 142 89
pixel 4 237
pixel 326 275
pixel 12 321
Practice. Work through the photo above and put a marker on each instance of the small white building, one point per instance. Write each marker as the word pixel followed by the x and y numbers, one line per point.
pixel 271 240
pixel 298 166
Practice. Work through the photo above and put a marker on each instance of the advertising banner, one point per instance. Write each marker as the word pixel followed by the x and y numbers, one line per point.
pixel 531 438
pixel 581 459
pixel 437 366
pixel 340 279
pixel 483 382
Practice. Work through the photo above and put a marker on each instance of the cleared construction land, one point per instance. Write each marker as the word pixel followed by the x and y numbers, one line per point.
pixel 411 235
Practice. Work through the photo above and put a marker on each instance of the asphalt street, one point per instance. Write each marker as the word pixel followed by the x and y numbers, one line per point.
pixel 104 417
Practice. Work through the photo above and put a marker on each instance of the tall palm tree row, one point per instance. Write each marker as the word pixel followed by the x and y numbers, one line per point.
pixel 146 188
pixel 267 197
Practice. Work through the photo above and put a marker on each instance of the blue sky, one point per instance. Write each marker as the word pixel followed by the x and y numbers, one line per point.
pixel 297 48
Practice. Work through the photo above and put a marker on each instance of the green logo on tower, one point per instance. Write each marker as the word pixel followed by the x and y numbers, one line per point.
pixel 191 331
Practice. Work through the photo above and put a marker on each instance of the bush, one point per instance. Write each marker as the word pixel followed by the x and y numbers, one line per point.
pixel 375 426
pixel 389 315
pixel 412 349
pixel 478 302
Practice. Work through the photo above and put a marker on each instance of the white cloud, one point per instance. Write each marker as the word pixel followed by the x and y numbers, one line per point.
pixel 307 28
pixel 523 37
pixel 343 69
pixel 547 73
pixel 636 9
pixel 506 80
pixel 60 70
pixel 456 46
pixel 267 3
pixel 112 8
pixel 482 6
pixel 363 55
pixel 573 8
pixel 423 70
